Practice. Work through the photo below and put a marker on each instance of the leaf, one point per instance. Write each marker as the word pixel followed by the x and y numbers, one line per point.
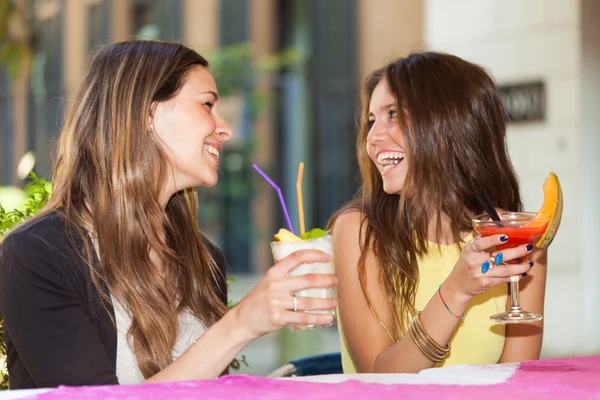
pixel 236 364
pixel 313 234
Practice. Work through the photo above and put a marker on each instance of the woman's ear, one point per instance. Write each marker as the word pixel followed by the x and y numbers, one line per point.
pixel 150 122
pixel 152 114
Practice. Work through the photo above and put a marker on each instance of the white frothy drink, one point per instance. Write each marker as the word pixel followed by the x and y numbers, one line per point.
pixel 325 244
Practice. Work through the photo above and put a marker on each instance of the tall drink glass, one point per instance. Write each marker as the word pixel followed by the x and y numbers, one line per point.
pixel 281 250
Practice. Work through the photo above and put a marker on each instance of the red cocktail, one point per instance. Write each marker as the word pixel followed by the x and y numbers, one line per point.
pixel 521 228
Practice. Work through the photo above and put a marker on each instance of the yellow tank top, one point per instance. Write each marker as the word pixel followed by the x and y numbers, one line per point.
pixel 477 340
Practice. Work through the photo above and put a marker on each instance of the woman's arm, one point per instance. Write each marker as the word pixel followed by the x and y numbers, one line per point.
pixel 267 307
pixel 371 348
pixel 213 353
pixel 524 341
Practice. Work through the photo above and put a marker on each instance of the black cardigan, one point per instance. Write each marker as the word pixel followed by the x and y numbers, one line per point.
pixel 56 329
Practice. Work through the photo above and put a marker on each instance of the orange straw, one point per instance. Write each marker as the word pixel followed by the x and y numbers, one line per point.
pixel 299 192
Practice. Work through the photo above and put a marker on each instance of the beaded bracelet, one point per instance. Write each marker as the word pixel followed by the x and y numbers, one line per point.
pixel 446 305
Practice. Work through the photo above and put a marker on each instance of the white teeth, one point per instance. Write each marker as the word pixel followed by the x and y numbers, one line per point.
pixel 390 158
pixel 212 150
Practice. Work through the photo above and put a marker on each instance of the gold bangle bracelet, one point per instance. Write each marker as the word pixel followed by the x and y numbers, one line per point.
pixel 423 348
pixel 428 338
pixel 425 343
pixel 427 351
pixel 421 337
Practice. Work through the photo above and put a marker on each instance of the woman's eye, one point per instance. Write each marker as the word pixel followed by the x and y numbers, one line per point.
pixel 370 123
pixel 209 105
pixel 392 113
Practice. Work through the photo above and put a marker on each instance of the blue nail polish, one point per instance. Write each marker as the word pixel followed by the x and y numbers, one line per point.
pixel 529 247
pixel 531 264
pixel 504 238
pixel 485 267
pixel 499 258
pixel 524 274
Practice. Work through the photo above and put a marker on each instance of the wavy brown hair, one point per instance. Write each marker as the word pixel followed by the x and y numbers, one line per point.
pixel 454 127
pixel 107 180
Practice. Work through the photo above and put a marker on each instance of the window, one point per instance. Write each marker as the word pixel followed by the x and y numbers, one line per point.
pixel 157 19
pixel 233 22
pixel 334 86
pixel 98 22
pixel 46 106
pixel 318 102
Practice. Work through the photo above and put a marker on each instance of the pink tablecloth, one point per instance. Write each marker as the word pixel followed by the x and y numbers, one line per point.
pixel 570 378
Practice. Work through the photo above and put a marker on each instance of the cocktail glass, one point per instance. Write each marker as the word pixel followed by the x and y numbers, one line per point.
pixel 521 228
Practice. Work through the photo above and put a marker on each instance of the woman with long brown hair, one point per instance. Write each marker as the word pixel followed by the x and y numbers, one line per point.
pixel 113 282
pixel 416 288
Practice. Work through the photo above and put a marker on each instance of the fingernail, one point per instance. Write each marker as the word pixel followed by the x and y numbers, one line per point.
pixel 524 274
pixel 529 247
pixel 503 238
pixel 531 264
pixel 498 259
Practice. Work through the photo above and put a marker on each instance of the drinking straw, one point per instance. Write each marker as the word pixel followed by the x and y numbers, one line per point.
pixel 279 194
pixel 486 203
pixel 299 193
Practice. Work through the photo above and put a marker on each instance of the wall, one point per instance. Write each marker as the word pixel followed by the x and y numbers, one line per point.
pixel 520 41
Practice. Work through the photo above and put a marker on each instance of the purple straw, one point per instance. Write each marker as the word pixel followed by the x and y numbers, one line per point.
pixel 278 190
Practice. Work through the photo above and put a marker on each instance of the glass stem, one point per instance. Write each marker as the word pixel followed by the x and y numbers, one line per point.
pixel 514 297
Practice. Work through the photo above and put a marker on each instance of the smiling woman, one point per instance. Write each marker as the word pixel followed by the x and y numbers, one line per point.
pixel 112 282
pixel 432 133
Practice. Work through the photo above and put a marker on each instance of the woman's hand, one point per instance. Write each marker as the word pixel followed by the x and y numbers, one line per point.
pixel 270 304
pixel 481 268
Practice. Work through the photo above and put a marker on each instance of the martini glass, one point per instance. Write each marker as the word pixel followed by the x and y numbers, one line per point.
pixel 520 229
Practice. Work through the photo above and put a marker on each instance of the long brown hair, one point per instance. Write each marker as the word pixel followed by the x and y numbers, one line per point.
pixel 454 127
pixel 107 180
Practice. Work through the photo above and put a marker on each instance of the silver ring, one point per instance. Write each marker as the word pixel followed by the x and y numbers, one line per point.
pixel 473 246
pixel 295 302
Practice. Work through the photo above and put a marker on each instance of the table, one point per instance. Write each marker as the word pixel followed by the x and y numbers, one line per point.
pixel 556 379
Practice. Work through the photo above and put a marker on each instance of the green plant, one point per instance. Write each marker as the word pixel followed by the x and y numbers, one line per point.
pixel 238 72
pixel 37 196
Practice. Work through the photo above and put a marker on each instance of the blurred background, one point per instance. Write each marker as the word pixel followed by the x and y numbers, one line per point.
pixel 289 72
